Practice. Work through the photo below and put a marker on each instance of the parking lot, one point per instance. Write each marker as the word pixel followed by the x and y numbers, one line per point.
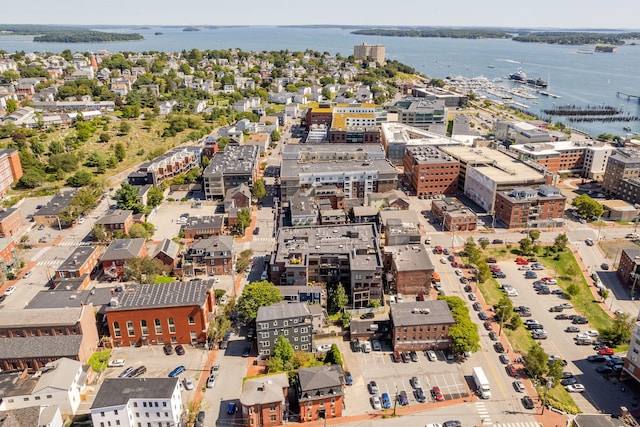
pixel 393 378
pixel 159 365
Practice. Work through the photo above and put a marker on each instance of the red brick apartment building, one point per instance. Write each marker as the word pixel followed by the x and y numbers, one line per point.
pixel 156 314
pixel 629 267
pixel 430 171
pixel 118 252
pixel 10 169
pixel 320 392
pixel 116 220
pixel 454 215
pixel 8 253
pixel 421 325
pixel 79 265
pixel 10 222
pixel 263 401
pixel 530 207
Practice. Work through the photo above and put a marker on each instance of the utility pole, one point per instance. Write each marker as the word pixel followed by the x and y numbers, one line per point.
pixel 546 390
pixel 395 403
pixel 502 307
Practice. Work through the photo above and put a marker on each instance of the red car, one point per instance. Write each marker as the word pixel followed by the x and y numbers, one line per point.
pixel 522 261
pixel 546 279
pixel 512 370
pixel 396 357
pixel 491 260
pixel 437 394
pixel 494 268
pixel 605 351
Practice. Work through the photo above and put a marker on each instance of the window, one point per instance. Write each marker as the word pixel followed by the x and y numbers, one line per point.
pixel 144 327
pixel 272 407
pixel 273 418
pixel 172 325
pixel 135 404
pixel 158 326
pixel 130 330
pixel 115 411
pixel 116 330
pixel 192 320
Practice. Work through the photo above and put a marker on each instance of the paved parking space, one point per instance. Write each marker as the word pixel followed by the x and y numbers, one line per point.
pixel 394 377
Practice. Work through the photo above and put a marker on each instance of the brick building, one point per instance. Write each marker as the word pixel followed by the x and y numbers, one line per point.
pixel 409 269
pixel 453 215
pixel 263 401
pixel 78 266
pixel 202 227
pixel 8 254
pixel 320 392
pixel 10 222
pixel 116 220
pixel 210 256
pixel 157 314
pixel 421 325
pixel 629 268
pixel 10 168
pixel 29 339
pixel 119 251
pixel 530 207
pixel 167 252
pixel 236 165
pixel 430 172
pixel 174 162
pixel 622 176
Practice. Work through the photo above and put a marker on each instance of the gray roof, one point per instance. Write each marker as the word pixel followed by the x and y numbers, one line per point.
pixel 118 391
pixel 114 216
pixel 410 217
pixel 123 249
pixel 167 247
pixel 426 154
pixel 207 221
pixel 214 244
pixel 6 213
pixel 597 420
pixel 13 384
pixel 283 311
pixel 78 257
pixel 21 417
pixel 15 318
pixel 410 257
pixel 174 294
pixel 60 377
pixel 234 160
pixel 296 168
pixel 61 298
pixel 320 378
pixel 296 290
pixel 44 346
pixel 57 203
pixel 242 188
pixel 414 313
pixel 4 242
pixel 264 390
pixel 364 211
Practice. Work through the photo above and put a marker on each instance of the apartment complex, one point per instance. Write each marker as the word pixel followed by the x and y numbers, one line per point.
pixel 430 172
pixel 10 168
pixel 344 123
pixel 356 169
pixel 421 325
pixel 373 52
pixel 453 215
pixel 10 222
pixel 632 361
pixel 166 166
pixel 531 207
pixel 409 269
pixel 328 255
pixel 156 314
pixel 264 400
pixel 587 158
pixel 629 268
pixel 320 392
pixel 396 137
pixel 210 256
pixel 77 268
pixel 622 175
pixel 292 320
pixel 236 165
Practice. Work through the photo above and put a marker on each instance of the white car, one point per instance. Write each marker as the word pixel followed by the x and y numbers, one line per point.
pixel 575 388
pixel 211 381
pixel 81 221
pixel 593 333
pixel 115 363
pixel 458 272
pixel 188 384
pixel 9 291
pixel 375 402
pixel 323 348
pixel 431 355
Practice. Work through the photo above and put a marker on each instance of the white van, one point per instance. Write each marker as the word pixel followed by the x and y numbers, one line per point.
pixel 366 347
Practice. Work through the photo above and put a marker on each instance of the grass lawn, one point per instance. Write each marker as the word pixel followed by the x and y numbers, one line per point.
pixel 490 291
pixel 520 339
pixel 559 398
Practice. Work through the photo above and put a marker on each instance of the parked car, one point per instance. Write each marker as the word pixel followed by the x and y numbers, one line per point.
pixel 373 387
pixel 115 363
pixel 415 382
pixel 188 384
pixel 452 423
pixel 499 348
pixel 348 378
pixel 604 370
pixel 504 359
pixel 179 350
pixel 386 401
pixel 211 381
pixel 482 315
pixel 527 402
pixel 431 355
pixel 606 351
pixel 403 399
pixel 168 349
pixel 126 373
pixel 436 393
pixel 140 370
pixel 396 357
pixel 232 408
pixel 596 358
pixel 375 402
pixel 367 316
pixel 200 419
pixel 414 356
pixel 575 388
pixel 177 371
pixel 519 386
pixel 9 291
pixel 406 357
pixel 493 336
pixel 419 395
pixel 604 266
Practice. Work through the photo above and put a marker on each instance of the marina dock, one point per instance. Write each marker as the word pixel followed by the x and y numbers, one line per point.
pixel 628 96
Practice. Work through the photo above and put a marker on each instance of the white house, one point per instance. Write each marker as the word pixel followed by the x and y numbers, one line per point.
pixel 60 384
pixel 132 402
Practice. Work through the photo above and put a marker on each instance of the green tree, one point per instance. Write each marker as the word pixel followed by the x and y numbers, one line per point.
pixel 283 350
pixel 12 105
pixel 338 299
pixel 620 330
pixel 119 152
pixel 80 178
pixel 275 135
pixel 104 137
pixel 254 295
pixel 586 207
pixel 345 318
pixel 124 128
pixel 573 290
pixel 127 196
pixel 534 235
pixel 484 272
pixel 155 196
pixel 98 233
pixel 561 241
pixel 555 372
pixel 32 179
pixel 333 357
pixel 244 219
pixel 536 362
pixel 526 246
pixel 139 231
pixel 465 337
pixel 258 190
pixel 96 159
pixel 275 364
pixel 218 328
pixel 66 162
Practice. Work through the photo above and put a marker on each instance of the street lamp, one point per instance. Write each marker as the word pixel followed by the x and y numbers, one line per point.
pixel 546 390
pixel 395 403
pixel 454 227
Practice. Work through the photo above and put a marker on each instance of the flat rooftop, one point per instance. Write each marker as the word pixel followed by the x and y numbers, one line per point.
pixel 174 294
pixel 495 164
pixel 296 168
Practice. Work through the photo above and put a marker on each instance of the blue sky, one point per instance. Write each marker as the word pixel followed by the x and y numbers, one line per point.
pixel 500 13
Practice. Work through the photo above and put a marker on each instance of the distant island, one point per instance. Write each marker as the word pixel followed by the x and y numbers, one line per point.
pixel 67 34
pixel 191 29
pixel 549 37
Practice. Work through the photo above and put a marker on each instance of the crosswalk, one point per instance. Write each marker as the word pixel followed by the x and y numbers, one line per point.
pixel 73 243
pixel 483 412
pixel 50 262
pixel 263 239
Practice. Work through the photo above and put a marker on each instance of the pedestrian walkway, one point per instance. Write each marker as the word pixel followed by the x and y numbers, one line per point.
pixel 50 262
pixel 483 412
pixel 73 243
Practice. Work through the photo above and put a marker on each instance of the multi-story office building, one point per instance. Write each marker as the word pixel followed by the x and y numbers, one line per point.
pixel 421 113
pixel 10 222
pixel 328 255
pixel 373 52
pixel 453 215
pixel 356 169
pixel 10 168
pixel 236 165
pixel 396 137
pixel 621 178
pixel 530 207
pixel 421 325
pixel 292 320
pixel 431 172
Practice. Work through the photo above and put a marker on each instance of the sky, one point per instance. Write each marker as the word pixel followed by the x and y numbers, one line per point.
pixel 613 14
